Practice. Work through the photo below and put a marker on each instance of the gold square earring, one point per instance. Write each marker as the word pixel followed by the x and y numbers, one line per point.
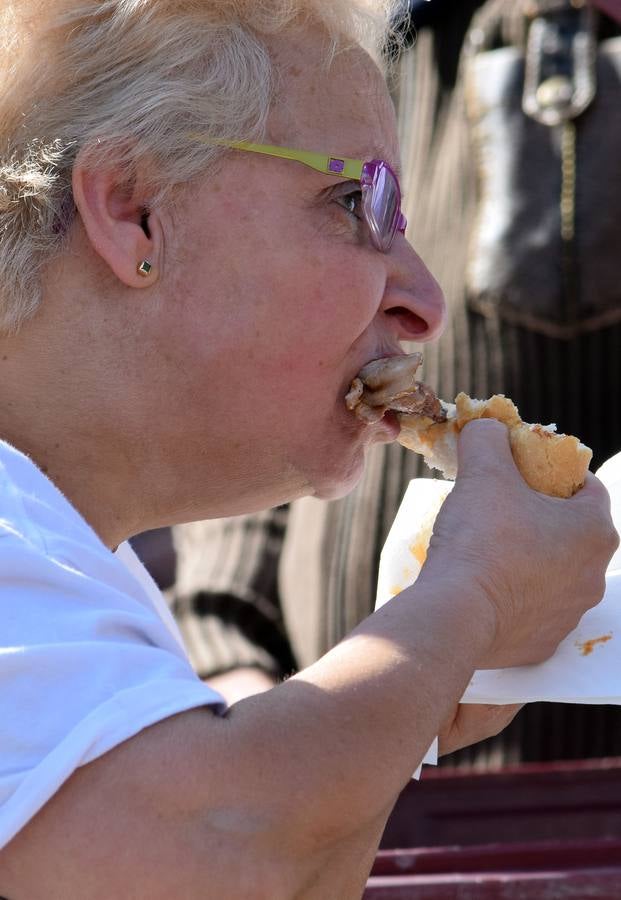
pixel 144 268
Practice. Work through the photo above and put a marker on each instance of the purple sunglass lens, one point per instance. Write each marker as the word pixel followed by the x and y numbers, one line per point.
pixel 382 203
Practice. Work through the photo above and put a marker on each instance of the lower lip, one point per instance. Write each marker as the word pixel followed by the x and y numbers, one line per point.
pixel 390 424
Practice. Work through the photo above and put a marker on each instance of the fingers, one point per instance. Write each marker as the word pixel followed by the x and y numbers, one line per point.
pixel 483 448
pixel 470 723
pixel 595 500
pixel 593 488
pixel 549 555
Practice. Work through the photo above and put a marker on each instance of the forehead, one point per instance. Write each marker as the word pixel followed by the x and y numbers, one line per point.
pixel 339 108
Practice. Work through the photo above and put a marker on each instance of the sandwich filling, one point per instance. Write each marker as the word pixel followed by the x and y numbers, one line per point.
pixel 390 384
pixel 552 463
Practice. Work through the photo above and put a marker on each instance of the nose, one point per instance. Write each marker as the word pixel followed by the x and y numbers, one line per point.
pixel 413 303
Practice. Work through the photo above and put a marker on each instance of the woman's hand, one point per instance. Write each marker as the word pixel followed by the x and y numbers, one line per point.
pixel 537 562
pixel 472 722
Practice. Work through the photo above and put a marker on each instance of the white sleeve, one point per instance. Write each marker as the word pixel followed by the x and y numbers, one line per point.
pixel 86 662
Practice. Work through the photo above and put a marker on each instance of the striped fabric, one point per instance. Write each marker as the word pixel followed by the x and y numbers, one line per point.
pixel 225 598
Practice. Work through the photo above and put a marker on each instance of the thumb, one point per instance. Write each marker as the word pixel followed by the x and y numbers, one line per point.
pixel 484 449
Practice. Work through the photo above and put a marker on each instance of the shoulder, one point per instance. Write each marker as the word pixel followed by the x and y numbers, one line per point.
pixel 87 659
pixel 32 509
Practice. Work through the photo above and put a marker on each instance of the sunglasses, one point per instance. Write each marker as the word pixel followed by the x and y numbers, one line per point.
pixel 381 194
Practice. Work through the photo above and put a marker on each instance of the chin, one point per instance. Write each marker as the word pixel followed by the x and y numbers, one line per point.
pixel 337 484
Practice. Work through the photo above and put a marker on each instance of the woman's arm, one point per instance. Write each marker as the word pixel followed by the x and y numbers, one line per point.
pixel 290 790
pixel 286 796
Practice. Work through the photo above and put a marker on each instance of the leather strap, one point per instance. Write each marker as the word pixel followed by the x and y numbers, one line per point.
pixel 560 73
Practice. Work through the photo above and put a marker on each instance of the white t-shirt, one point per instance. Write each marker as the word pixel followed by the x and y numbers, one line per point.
pixel 89 652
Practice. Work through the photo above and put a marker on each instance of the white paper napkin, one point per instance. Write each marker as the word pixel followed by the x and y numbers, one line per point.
pixel 586 667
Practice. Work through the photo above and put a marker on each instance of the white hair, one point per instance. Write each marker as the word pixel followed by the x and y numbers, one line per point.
pixel 131 78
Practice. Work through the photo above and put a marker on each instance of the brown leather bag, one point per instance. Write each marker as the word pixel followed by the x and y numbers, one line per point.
pixel 543 100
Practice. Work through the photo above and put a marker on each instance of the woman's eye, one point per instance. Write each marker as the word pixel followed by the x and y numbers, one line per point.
pixel 351 202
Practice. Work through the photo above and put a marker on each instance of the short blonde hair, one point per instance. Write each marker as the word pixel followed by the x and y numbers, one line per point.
pixel 131 78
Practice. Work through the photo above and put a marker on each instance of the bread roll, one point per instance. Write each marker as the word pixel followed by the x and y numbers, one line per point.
pixel 554 464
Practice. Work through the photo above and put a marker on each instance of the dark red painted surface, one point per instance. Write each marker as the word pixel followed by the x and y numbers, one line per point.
pixel 603 884
pixel 524 857
pixel 548 832
pixel 529 803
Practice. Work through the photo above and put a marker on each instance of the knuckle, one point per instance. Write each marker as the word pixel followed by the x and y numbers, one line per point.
pixel 592 595
pixel 543 653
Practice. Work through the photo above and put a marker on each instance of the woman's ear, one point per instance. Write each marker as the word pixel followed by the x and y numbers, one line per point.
pixel 124 233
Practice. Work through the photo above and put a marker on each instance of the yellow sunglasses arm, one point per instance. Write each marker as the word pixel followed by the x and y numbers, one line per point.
pixel 330 165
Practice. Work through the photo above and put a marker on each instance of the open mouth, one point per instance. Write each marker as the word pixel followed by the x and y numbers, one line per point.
pixel 390 384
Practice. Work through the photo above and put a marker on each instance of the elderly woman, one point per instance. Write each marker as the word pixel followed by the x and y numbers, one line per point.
pixel 182 313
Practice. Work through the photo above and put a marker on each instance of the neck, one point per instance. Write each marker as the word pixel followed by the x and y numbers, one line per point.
pixel 99 485
pixel 110 466
pixel 54 407
pixel 102 418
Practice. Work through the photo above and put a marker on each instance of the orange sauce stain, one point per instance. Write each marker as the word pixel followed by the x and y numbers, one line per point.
pixel 419 552
pixel 587 647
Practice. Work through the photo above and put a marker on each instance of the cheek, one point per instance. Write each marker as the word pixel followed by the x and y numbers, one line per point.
pixel 290 311
pixel 326 304
pixel 297 288
pixel 315 347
